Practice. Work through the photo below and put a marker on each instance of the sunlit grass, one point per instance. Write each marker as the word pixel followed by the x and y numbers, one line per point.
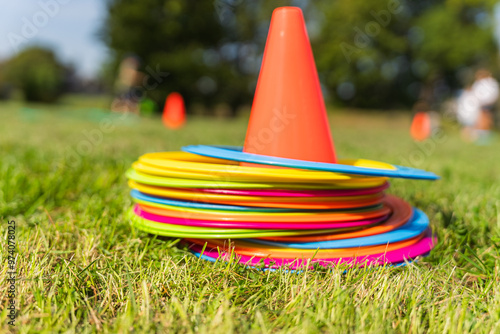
pixel 84 268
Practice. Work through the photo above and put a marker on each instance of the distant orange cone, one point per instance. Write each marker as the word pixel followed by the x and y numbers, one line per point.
pixel 288 117
pixel 420 128
pixel 174 113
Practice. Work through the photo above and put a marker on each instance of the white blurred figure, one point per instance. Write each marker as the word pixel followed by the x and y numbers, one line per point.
pixel 485 87
pixel 486 90
pixel 468 111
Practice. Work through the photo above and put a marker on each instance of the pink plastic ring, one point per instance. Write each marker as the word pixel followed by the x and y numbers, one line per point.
pixel 255 225
pixel 423 246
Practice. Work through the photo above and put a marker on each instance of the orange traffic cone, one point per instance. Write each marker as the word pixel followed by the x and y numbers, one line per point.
pixel 174 113
pixel 420 129
pixel 288 117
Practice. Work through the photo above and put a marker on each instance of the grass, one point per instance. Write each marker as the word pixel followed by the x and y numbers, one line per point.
pixel 83 268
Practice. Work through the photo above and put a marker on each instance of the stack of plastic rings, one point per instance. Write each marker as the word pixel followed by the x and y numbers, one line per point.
pixel 304 214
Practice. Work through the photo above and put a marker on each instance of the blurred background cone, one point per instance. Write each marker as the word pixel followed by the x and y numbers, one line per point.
pixel 174 113
pixel 420 129
pixel 288 117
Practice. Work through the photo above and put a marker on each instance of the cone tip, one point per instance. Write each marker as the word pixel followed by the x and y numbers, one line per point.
pixel 287 10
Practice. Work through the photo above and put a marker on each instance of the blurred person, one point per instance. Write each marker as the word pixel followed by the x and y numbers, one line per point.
pixel 485 87
pixel 126 83
pixel 486 90
pixel 468 110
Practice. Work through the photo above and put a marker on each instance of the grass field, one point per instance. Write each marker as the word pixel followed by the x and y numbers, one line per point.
pixel 83 268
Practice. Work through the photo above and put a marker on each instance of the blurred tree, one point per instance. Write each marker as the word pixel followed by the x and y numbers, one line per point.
pixel 375 54
pixel 4 86
pixel 37 73
pixel 389 53
pixel 183 46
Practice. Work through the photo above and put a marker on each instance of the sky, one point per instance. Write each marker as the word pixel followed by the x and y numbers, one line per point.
pixel 67 26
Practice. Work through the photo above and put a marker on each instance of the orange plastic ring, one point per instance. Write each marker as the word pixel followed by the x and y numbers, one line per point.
pixel 401 213
pixel 251 249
